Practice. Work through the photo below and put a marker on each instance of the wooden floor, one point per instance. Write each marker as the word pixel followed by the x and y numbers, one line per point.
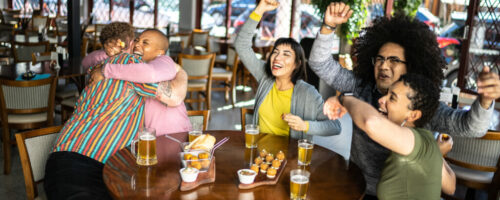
pixel 223 117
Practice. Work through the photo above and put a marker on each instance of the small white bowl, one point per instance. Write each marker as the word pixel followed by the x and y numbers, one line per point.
pixel 246 176
pixel 189 174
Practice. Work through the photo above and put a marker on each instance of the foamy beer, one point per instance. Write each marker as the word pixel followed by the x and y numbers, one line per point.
pixel 305 151
pixel 192 135
pixel 299 182
pixel 146 153
pixel 251 135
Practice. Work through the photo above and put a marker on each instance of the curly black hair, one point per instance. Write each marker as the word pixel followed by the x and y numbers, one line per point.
pixel 421 49
pixel 117 30
pixel 425 96
pixel 300 60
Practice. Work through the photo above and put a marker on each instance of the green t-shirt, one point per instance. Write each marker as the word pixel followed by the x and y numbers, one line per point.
pixel 416 176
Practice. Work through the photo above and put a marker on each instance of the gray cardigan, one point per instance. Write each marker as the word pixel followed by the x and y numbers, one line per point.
pixel 367 154
pixel 307 103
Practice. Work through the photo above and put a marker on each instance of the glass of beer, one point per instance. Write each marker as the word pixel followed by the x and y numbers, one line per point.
pixel 251 135
pixel 193 135
pixel 299 182
pixel 146 153
pixel 305 151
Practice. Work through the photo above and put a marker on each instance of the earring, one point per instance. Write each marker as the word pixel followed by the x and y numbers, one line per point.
pixel 404 122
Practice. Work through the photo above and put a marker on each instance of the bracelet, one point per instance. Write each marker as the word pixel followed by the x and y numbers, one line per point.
pixel 341 97
pixel 332 28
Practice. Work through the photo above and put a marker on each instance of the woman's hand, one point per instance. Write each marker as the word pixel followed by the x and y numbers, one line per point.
pixel 96 75
pixel 336 13
pixel 488 87
pixel 333 109
pixel 295 122
pixel 445 143
pixel 266 5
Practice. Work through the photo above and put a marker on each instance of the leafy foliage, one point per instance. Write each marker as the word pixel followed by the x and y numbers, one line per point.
pixel 407 7
pixel 351 29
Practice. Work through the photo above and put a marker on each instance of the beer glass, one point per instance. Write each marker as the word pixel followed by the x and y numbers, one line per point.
pixel 193 135
pixel 251 135
pixel 299 182
pixel 146 153
pixel 305 151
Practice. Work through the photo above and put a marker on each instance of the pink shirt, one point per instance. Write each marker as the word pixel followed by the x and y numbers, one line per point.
pixel 94 58
pixel 164 119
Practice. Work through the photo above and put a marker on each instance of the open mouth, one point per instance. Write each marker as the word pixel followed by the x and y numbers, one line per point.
pixel 277 66
pixel 138 53
pixel 384 113
pixel 383 76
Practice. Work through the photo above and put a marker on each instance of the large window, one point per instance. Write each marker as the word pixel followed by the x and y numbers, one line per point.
pixel 214 16
pixel 47 7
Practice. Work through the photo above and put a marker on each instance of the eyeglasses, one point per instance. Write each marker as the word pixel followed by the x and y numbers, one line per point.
pixel 393 60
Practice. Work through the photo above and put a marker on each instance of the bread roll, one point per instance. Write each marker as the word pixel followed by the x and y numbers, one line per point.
pixel 205 141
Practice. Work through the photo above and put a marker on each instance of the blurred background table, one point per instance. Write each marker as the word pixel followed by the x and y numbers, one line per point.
pixel 330 173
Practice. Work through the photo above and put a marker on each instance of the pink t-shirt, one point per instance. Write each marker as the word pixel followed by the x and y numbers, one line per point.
pixel 164 119
pixel 94 58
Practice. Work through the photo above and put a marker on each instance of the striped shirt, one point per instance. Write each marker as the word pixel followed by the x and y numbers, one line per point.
pixel 107 116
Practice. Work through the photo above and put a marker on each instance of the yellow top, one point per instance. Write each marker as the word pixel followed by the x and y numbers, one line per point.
pixel 255 16
pixel 274 105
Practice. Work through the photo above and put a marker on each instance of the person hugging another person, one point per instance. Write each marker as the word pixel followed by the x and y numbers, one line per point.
pixel 152 45
pixel 415 168
pixel 285 105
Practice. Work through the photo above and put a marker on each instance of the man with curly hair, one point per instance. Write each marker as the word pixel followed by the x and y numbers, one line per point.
pixel 385 51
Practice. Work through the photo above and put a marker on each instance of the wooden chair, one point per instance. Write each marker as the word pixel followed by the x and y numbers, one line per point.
pixel 25 105
pixel 246 117
pixel 199 118
pixel 476 163
pixel 200 39
pixel 228 75
pixel 34 149
pixel 4 61
pixel 39 21
pixel 199 69
pixel 184 39
pixel 23 51
pixel 97 33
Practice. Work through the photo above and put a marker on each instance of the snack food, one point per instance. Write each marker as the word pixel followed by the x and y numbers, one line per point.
pixel 189 174
pixel 263 167
pixel 246 176
pixel 255 168
pixel 271 173
pixel 263 153
pixel 203 155
pixel 258 160
pixel 205 142
pixel 280 156
pixel 276 164
pixel 269 158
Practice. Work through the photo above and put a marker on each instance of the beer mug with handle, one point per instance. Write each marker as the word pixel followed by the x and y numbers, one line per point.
pixel 146 152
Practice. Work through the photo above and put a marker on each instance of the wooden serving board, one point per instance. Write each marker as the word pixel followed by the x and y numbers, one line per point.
pixel 261 178
pixel 203 178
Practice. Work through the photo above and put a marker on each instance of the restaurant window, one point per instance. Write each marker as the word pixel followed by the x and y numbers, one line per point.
pixel 63 8
pixel 168 14
pixel 101 12
pixel 214 16
pixel 26 6
pixel 120 11
pixel 144 14
pixel 309 22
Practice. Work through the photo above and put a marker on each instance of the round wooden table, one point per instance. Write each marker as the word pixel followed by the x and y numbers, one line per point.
pixel 331 176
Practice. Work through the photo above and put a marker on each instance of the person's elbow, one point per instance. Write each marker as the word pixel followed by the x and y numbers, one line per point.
pixel 449 189
pixel 371 124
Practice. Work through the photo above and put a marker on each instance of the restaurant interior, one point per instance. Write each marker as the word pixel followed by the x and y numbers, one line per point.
pixel 43 43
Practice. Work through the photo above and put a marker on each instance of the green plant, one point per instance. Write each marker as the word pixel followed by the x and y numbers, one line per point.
pixel 407 7
pixel 351 29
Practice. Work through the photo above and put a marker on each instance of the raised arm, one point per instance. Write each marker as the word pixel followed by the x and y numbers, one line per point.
pixel 243 42
pixel 393 137
pixel 94 58
pixel 321 60
pixel 162 68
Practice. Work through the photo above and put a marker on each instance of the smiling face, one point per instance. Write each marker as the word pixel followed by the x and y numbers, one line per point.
pixel 283 61
pixel 149 45
pixel 388 72
pixel 395 104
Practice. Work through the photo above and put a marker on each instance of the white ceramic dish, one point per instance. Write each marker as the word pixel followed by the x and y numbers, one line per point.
pixel 189 174
pixel 246 176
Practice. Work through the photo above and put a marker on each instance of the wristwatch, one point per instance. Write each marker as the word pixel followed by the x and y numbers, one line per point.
pixel 332 28
pixel 341 97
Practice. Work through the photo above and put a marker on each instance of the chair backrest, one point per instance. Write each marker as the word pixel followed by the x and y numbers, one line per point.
pixel 39 21
pixel 4 60
pixel 246 117
pixel 199 119
pixel 23 51
pixel 26 97
pixel 40 57
pixel 197 66
pixel 232 58
pixel 85 47
pixel 61 25
pixel 476 153
pixel 175 44
pixel 184 38
pixel 200 38
pixel 34 149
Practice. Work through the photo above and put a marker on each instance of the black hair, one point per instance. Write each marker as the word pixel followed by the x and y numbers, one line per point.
pixel 421 49
pixel 425 96
pixel 300 60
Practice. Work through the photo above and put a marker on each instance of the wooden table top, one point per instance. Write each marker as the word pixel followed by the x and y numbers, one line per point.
pixel 12 71
pixel 330 173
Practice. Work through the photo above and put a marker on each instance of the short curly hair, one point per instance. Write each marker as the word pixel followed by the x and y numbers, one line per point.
pixel 425 96
pixel 117 30
pixel 421 49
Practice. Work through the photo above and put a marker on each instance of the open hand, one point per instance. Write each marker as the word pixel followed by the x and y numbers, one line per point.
pixel 295 122
pixel 337 13
pixel 445 143
pixel 488 84
pixel 333 109
pixel 266 5
pixel 96 75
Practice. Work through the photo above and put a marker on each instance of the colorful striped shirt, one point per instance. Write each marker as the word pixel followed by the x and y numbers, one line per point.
pixel 107 116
